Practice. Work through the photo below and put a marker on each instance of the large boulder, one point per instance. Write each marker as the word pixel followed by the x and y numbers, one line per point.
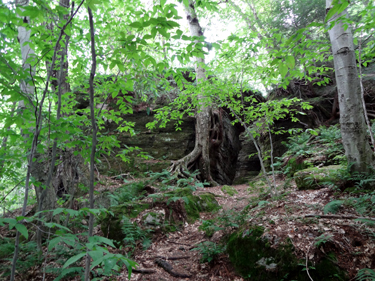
pixel 254 257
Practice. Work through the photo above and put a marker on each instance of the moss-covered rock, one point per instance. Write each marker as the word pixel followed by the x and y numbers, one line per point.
pixel 153 219
pixel 194 204
pixel 230 190
pixel 315 178
pixel 111 225
pixel 253 257
pixel 294 165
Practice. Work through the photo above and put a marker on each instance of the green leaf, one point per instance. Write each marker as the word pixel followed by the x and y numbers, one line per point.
pixel 58 211
pixel 11 222
pixel 290 61
pixel 109 263
pixel 54 242
pixel 96 254
pixel 136 24
pixel 73 259
pixel 160 66
pixel 283 69
pixel 332 12
pixel 343 6
pixel 153 32
pixel 23 230
pixel 104 240
pixel 163 32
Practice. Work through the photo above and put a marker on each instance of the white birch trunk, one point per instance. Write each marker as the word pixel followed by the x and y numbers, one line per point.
pixel 353 126
pixel 26 52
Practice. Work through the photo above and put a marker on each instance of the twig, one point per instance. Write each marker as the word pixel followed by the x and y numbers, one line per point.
pixel 338 217
pixel 307 260
pixel 172 258
pixel 5 196
pixel 120 175
pixel 169 268
pixel 363 95
pixel 143 271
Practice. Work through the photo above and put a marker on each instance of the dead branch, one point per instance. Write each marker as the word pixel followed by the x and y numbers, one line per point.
pixel 169 268
pixel 143 271
pixel 338 217
pixel 172 258
pixel 121 176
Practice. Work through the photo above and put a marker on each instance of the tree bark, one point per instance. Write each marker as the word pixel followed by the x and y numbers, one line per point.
pixel 212 138
pixel 201 152
pixel 93 147
pixel 353 127
pixel 216 141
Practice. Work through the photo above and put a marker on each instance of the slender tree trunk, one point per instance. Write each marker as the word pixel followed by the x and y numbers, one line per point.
pixel 38 124
pixel 203 116
pixel 353 125
pixel 201 152
pixel 26 52
pixel 46 196
pixel 94 131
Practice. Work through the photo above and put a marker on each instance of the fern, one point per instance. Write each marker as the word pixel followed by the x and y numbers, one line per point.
pixel 134 233
pixel 69 272
pixel 332 207
pixel 209 251
pixel 365 274
pixel 130 192
pixel 322 239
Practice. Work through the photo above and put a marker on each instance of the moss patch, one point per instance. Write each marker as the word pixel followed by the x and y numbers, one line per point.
pixel 205 202
pixel 315 178
pixel 253 257
pixel 111 225
pixel 294 165
pixel 230 190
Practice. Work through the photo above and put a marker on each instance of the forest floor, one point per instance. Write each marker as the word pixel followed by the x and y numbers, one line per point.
pixel 296 215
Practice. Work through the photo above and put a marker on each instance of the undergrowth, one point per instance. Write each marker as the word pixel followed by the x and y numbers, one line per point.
pixel 310 148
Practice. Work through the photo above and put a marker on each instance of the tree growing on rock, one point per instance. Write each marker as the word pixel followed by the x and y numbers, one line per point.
pixel 216 147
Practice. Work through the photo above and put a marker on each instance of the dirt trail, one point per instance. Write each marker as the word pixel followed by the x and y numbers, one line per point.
pixel 172 251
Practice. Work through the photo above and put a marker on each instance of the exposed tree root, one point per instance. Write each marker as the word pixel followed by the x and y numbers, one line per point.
pixel 169 268
pixel 188 163
pixel 143 271
pixel 200 157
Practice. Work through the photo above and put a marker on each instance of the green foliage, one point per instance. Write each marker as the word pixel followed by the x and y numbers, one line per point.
pixel 363 203
pixel 322 239
pixel 28 256
pixel 365 274
pixel 229 190
pixel 323 144
pixel 209 227
pixel 134 234
pixel 333 206
pixel 209 251
pixel 127 193
pixel 170 181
